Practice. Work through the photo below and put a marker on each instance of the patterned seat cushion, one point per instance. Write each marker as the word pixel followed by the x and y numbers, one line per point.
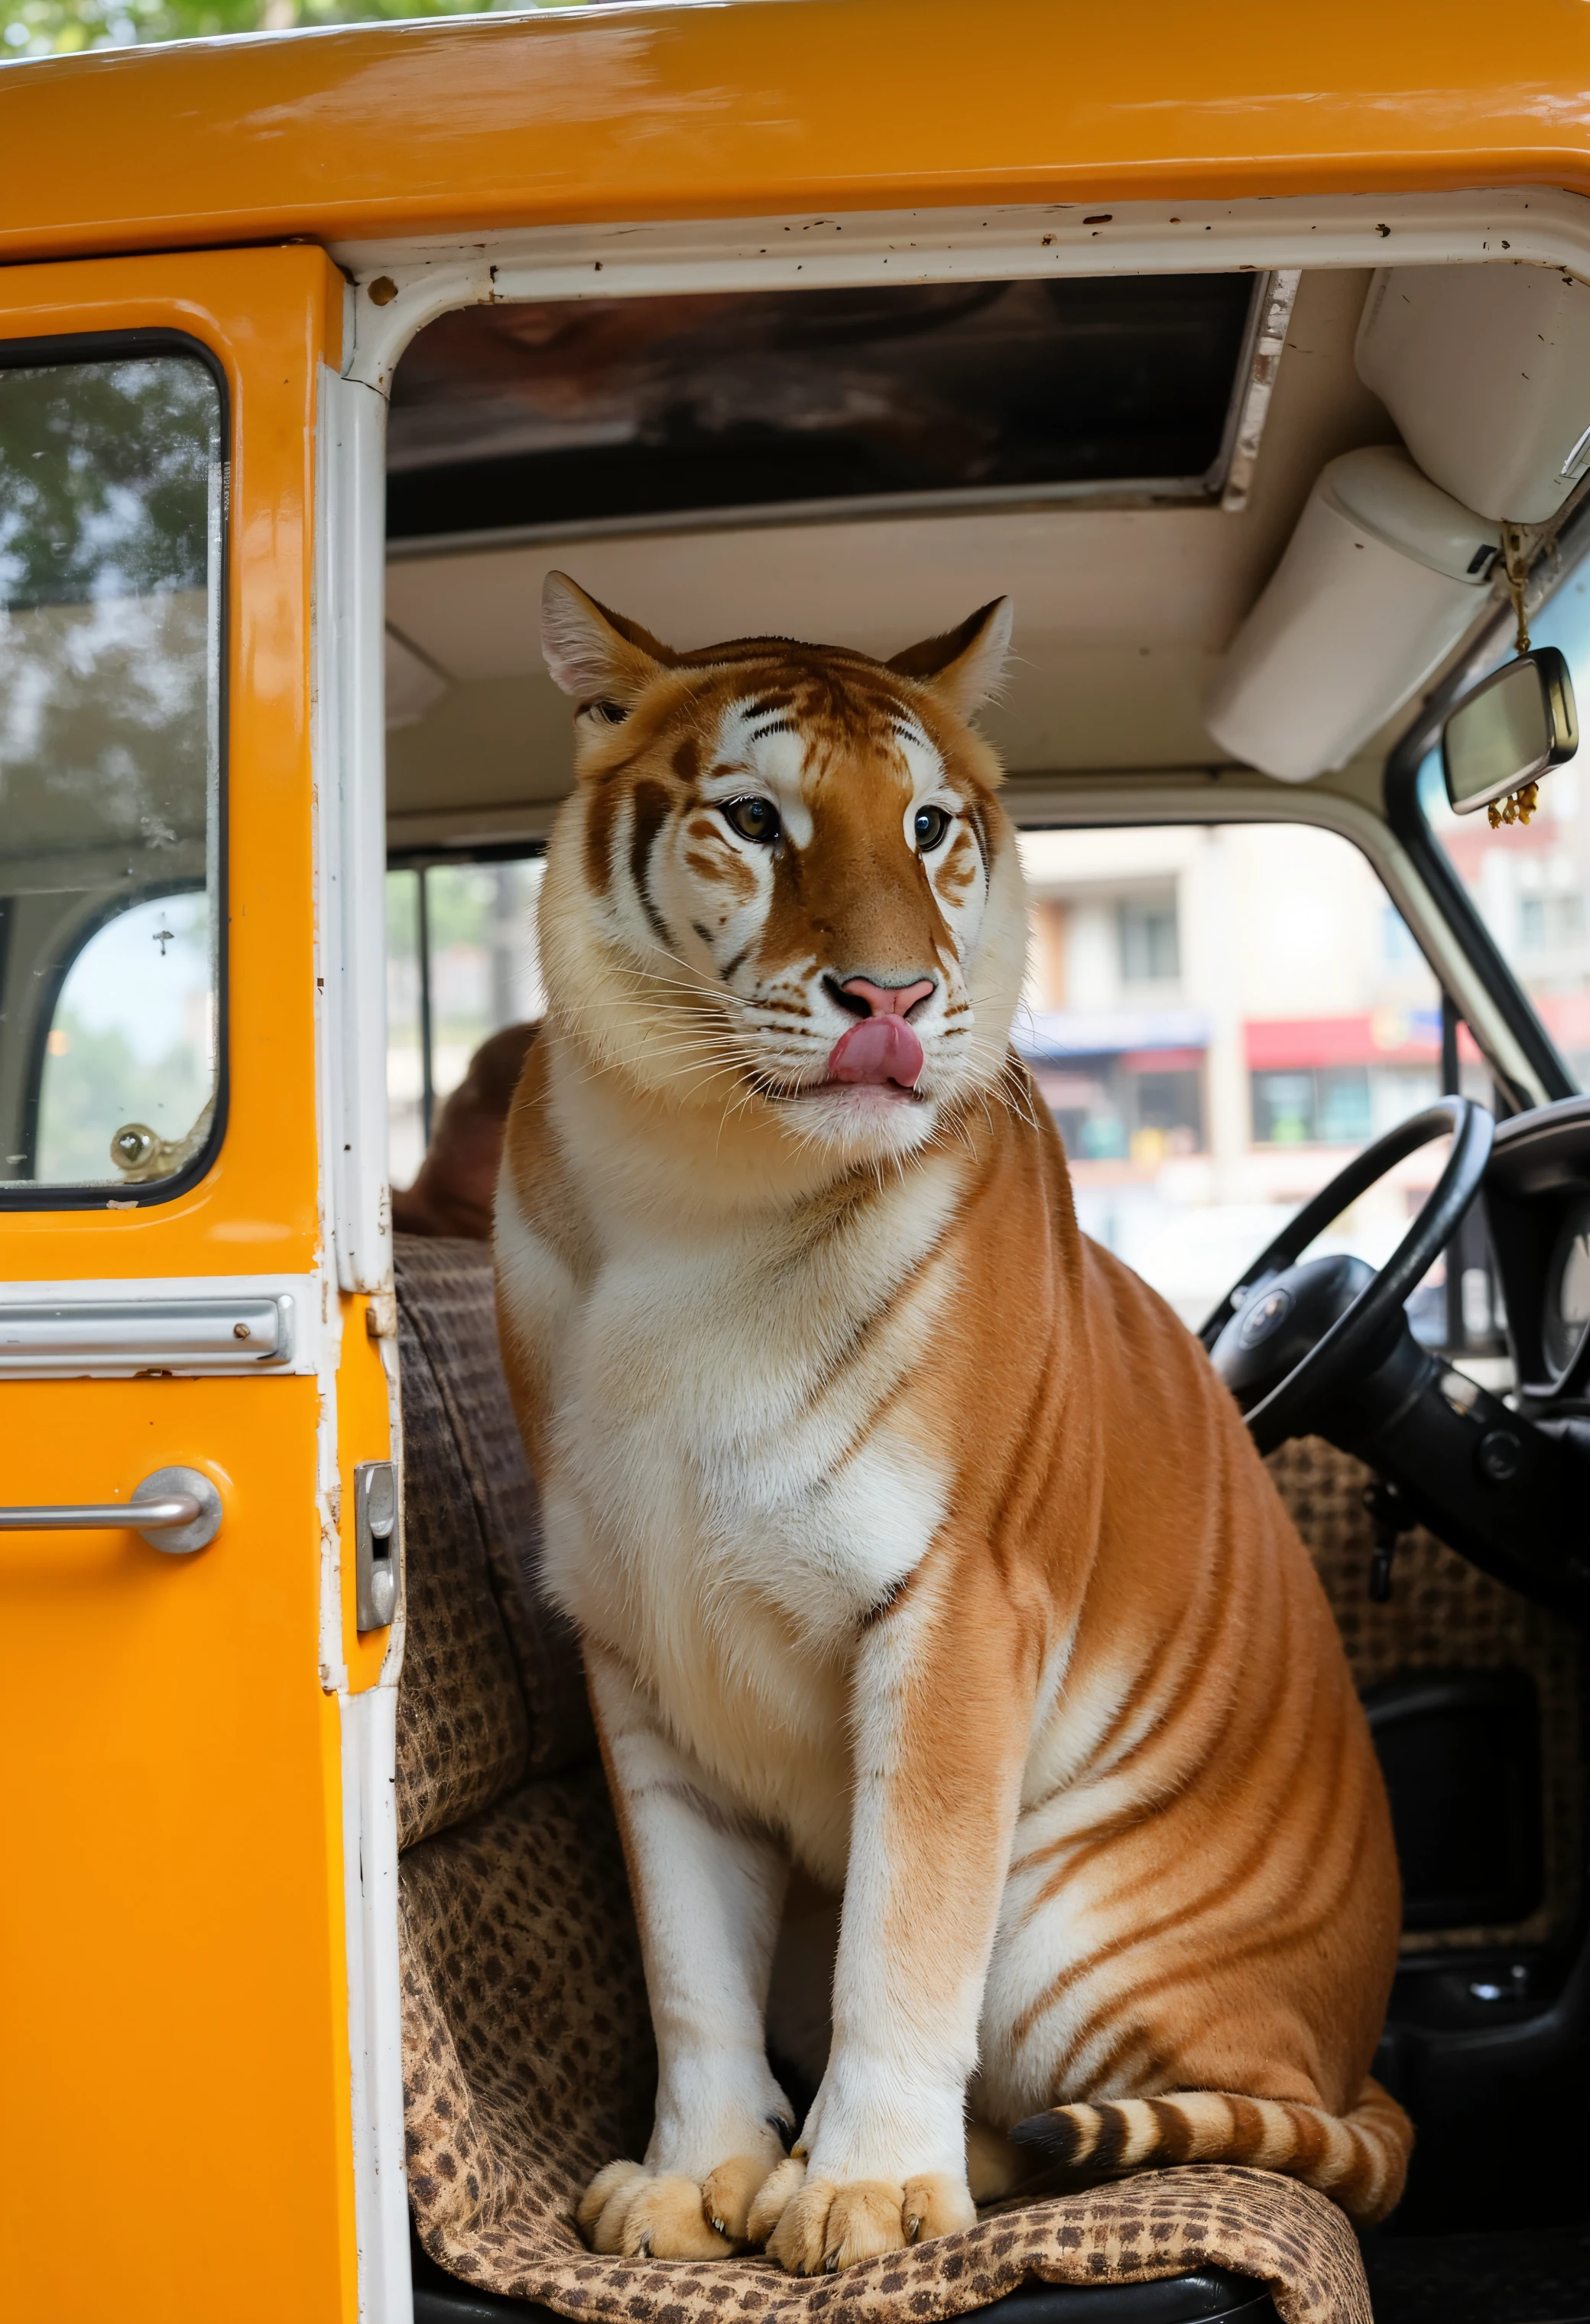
pixel 470 1515
pixel 462 1736
pixel 529 2062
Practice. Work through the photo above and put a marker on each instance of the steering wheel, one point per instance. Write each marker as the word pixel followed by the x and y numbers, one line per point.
pixel 1289 1338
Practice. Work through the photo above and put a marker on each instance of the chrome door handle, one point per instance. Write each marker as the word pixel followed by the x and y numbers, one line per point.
pixel 175 1509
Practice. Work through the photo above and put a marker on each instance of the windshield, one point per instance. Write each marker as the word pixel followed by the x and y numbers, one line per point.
pixel 1528 882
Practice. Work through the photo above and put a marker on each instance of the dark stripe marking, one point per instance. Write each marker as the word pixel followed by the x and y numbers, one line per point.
pixel 1110 2140
pixel 652 812
pixel 1176 2138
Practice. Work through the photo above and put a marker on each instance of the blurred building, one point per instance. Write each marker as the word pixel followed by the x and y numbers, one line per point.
pixel 1218 1017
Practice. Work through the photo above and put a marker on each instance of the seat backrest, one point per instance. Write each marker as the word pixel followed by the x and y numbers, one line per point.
pixel 1445 1617
pixel 493 1688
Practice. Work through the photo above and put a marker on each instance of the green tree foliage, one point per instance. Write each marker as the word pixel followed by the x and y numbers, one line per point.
pixel 44 28
pixel 108 472
pixel 105 479
pixel 94 1084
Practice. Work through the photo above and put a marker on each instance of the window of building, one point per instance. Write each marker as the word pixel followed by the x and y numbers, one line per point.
pixel 1550 923
pixel 1151 951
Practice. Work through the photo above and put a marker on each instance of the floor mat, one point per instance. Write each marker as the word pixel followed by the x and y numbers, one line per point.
pixel 1536 2277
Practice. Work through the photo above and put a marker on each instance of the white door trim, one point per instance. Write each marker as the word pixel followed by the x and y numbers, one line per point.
pixel 375 2021
pixel 350 825
pixel 416 279
pixel 357 1256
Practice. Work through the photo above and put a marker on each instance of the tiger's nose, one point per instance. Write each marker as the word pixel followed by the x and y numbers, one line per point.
pixel 888 1000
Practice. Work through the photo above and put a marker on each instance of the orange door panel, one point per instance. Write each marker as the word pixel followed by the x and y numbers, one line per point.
pixel 176 2138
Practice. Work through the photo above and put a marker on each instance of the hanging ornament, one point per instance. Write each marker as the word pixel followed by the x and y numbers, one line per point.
pixel 1519 806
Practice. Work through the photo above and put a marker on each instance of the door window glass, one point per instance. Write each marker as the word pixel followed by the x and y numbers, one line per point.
pixel 111 506
pixel 1530 882
pixel 461 964
pixel 129 1063
pixel 1218 1018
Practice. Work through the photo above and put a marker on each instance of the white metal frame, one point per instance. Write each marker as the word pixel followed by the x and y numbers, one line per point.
pixel 350 753
pixel 398 287
pixel 357 1256
pixel 429 276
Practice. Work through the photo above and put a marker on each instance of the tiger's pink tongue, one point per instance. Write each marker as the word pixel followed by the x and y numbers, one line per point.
pixel 880 1050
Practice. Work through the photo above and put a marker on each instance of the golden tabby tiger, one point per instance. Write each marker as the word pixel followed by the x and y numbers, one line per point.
pixel 911 1538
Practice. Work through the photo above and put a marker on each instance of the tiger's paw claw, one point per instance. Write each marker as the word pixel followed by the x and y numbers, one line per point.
pixel 825 2225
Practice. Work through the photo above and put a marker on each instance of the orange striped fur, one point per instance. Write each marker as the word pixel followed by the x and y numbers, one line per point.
pixel 912 1540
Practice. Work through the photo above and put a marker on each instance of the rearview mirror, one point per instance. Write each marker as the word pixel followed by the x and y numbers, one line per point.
pixel 1509 730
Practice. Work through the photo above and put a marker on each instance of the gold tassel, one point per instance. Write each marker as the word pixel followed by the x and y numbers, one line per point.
pixel 1517 806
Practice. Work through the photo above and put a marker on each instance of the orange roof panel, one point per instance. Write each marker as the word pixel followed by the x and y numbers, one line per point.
pixel 439 126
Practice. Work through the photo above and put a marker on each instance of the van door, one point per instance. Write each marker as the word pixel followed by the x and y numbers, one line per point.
pixel 184 1672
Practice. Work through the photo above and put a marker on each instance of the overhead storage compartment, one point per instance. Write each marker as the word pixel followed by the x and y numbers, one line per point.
pixel 1379 581
pixel 1486 371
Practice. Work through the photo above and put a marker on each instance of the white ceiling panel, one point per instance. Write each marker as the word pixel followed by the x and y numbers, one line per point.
pixel 1119 612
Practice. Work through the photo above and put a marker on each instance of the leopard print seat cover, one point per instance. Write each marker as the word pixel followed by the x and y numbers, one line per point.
pixel 527 2055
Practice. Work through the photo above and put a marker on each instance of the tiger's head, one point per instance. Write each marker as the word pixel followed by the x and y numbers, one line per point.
pixel 784 893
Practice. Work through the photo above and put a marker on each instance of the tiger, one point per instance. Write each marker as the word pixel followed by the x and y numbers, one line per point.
pixel 915 1550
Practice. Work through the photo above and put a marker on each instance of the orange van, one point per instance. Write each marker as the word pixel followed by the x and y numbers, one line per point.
pixel 1249 350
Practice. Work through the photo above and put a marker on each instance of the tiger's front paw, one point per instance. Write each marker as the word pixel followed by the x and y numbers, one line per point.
pixel 816 2227
pixel 651 2215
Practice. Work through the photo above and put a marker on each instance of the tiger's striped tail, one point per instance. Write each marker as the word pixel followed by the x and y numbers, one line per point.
pixel 1360 2159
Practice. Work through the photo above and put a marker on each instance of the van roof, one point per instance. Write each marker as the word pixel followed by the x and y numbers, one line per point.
pixel 640 111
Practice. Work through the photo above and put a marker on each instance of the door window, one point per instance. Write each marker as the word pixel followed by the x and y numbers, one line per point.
pixel 461 964
pixel 111 533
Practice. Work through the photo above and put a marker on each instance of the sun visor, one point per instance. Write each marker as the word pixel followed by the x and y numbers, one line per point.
pixel 1379 581
pixel 1486 371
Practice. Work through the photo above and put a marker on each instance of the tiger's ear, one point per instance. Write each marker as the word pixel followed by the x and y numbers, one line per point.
pixel 964 667
pixel 595 655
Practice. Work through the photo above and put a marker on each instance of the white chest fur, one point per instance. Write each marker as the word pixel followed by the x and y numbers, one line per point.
pixel 734 1482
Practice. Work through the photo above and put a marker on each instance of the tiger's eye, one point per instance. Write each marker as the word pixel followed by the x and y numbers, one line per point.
pixel 612 713
pixel 754 818
pixel 930 825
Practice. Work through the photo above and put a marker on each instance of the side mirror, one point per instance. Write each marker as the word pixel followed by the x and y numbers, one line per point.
pixel 1510 729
